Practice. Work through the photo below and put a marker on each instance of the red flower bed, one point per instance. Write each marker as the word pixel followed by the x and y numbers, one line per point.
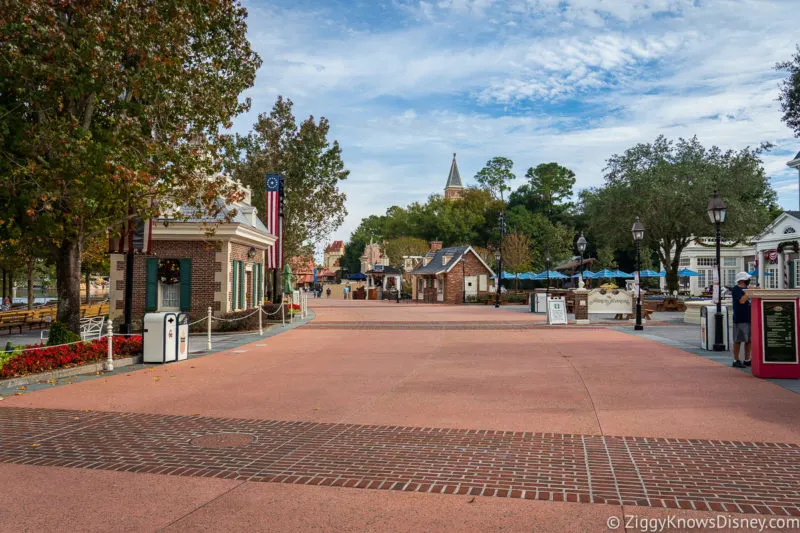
pixel 53 357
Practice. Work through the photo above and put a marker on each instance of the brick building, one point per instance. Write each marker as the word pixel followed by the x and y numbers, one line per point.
pixel 448 275
pixel 189 271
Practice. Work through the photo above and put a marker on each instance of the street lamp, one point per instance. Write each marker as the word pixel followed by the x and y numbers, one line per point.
pixel 497 257
pixel 717 211
pixel 581 249
pixel 638 235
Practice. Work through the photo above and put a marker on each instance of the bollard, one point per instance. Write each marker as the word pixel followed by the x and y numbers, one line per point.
pixel 209 328
pixel 283 314
pixel 110 336
pixel 260 327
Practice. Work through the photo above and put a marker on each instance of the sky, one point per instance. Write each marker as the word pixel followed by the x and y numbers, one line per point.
pixel 407 83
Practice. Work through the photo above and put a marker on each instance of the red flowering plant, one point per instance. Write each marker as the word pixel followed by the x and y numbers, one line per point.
pixel 32 361
pixel 169 271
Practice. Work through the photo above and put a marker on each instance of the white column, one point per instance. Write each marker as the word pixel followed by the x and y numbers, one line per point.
pixel 761 270
pixel 781 264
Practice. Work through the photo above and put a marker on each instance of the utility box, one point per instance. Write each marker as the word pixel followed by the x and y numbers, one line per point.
pixel 165 337
pixel 708 327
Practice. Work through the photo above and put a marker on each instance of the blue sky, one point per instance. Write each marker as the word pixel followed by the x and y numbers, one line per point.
pixel 405 83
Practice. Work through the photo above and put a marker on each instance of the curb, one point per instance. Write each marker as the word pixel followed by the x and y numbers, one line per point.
pixel 88 368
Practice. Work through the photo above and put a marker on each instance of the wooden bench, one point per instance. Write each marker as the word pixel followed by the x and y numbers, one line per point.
pixel 13 319
pixel 646 315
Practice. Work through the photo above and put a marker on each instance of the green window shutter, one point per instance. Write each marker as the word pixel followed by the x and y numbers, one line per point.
pixel 186 284
pixel 241 284
pixel 235 299
pixel 151 285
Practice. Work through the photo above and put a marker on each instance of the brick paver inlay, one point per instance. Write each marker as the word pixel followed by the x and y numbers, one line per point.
pixel 707 475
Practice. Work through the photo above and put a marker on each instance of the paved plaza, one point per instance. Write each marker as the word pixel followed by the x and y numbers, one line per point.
pixel 382 416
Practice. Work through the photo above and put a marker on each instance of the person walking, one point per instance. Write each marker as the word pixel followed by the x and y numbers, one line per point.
pixel 328 293
pixel 741 320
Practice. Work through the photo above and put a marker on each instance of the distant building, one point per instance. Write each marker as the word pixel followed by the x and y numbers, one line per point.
pixel 302 270
pixel 333 255
pixel 450 275
pixel 454 188
pixel 373 255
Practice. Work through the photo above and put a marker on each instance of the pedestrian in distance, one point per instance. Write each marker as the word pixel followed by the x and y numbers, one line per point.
pixel 328 292
pixel 741 320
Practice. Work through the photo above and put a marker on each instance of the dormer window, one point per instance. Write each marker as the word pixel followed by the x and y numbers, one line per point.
pixel 425 261
pixel 446 259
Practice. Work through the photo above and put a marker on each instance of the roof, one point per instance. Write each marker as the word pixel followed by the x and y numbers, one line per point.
pixel 454 178
pixel 303 264
pixel 381 269
pixel 574 263
pixel 335 246
pixel 795 214
pixel 435 265
pixel 794 163
pixel 188 214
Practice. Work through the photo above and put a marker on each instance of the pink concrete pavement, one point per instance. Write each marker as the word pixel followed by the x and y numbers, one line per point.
pixel 560 380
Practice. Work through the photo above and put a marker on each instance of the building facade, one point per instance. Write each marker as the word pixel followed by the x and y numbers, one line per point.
pixel 189 271
pixel 333 255
pixel 450 275
pixel 373 255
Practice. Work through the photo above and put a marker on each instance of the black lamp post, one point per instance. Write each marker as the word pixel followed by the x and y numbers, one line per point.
pixel 497 256
pixel 547 266
pixel 717 211
pixel 581 249
pixel 638 235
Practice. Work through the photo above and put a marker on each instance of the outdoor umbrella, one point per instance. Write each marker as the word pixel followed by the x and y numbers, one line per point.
pixel 652 274
pixel 686 273
pixel 605 273
pixel 587 274
pixel 358 276
pixel 553 275
pixel 620 274
pixel 287 279
pixel 754 273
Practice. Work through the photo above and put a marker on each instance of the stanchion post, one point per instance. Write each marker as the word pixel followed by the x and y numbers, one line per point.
pixel 110 337
pixel 209 328
pixel 283 311
pixel 260 327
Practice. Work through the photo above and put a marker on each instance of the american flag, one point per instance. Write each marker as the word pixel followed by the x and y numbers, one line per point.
pixel 135 236
pixel 274 224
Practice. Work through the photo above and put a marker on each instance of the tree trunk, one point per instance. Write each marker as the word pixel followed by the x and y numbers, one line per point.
pixel 87 288
pixel 30 283
pixel 4 283
pixel 68 283
pixel 11 285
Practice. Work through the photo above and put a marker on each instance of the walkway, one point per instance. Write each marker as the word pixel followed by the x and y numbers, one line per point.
pixel 459 427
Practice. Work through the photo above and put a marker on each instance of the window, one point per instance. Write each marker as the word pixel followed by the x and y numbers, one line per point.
pixel 685 262
pixel 729 277
pixel 706 261
pixel 170 296
pixel 771 281
pixel 729 262
pixel 796 273
pixel 789 229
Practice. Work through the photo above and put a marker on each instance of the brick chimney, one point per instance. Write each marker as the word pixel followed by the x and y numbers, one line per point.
pixel 436 245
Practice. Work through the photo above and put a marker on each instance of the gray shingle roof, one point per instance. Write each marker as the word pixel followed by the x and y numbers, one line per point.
pixel 795 214
pixel 454 178
pixel 435 265
pixel 189 215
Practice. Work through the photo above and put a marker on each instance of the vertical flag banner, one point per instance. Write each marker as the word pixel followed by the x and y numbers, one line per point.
pixel 135 237
pixel 274 220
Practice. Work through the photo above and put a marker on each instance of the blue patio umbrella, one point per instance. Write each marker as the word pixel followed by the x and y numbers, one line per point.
pixel 686 273
pixel 652 274
pixel 605 273
pixel 587 274
pixel 620 274
pixel 754 273
pixel 358 276
pixel 524 275
pixel 552 275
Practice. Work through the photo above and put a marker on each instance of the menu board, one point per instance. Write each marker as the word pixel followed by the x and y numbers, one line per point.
pixel 557 311
pixel 779 331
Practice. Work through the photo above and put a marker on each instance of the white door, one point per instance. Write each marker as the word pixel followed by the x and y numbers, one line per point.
pixel 471 286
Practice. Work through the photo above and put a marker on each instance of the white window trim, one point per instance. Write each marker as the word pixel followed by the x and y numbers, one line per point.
pixel 162 308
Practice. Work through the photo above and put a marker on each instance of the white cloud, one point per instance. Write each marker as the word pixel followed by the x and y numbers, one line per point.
pixel 534 80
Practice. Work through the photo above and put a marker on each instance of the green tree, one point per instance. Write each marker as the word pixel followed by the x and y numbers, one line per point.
pixel 495 176
pixel 107 105
pixel 401 246
pixel 551 182
pixel 789 95
pixel 517 252
pixel 668 185
pixel 311 165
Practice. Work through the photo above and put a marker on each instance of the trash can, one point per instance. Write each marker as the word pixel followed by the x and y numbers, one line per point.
pixel 183 336
pixel 160 337
pixel 708 328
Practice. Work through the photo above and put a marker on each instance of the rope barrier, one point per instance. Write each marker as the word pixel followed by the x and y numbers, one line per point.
pixel 233 319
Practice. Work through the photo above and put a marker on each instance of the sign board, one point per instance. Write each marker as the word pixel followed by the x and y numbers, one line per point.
pixel 612 301
pixel 556 311
pixel 779 331
pixel 715 290
pixel 636 285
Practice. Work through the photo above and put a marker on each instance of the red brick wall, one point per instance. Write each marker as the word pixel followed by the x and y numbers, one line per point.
pixel 203 267
pixel 239 253
pixel 454 280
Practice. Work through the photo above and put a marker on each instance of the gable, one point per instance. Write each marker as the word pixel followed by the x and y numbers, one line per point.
pixel 785 227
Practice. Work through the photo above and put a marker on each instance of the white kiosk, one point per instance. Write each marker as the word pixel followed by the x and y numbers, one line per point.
pixel 165 337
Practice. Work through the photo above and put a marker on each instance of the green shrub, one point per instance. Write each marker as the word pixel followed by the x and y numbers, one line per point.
pixel 61 334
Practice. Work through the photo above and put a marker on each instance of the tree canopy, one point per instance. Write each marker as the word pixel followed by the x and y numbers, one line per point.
pixel 105 106
pixel 311 165
pixel 668 185
pixel 789 95
pixel 496 176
